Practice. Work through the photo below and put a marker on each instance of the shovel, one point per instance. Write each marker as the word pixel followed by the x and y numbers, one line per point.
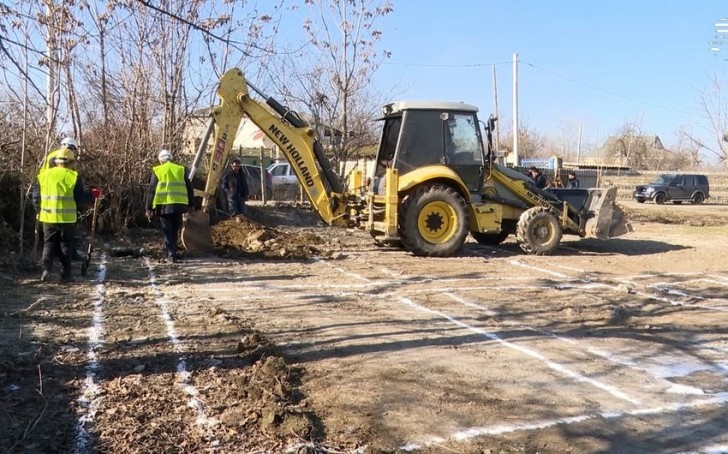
pixel 87 261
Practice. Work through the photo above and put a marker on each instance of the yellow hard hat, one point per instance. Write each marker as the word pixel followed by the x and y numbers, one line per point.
pixel 65 154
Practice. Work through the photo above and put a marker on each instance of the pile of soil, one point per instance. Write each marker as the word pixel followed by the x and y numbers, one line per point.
pixel 254 236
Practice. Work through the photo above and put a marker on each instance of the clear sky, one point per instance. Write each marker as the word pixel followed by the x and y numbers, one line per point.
pixel 598 63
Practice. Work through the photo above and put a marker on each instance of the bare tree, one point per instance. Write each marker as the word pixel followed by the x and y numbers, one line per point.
pixel 714 101
pixel 130 72
pixel 331 78
pixel 686 144
pixel 531 143
pixel 568 139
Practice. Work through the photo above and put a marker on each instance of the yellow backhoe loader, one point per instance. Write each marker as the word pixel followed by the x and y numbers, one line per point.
pixel 434 183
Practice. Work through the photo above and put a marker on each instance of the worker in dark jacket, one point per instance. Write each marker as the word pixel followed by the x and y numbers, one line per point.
pixel 235 188
pixel 55 197
pixel 572 182
pixel 169 196
pixel 538 178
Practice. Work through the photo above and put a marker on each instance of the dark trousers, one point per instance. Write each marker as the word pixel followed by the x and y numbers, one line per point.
pixel 236 205
pixel 171 224
pixel 58 239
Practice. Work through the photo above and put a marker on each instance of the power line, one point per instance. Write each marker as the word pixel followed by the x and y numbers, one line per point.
pixel 639 101
pixel 454 65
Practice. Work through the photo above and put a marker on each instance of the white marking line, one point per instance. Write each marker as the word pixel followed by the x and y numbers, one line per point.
pixel 182 371
pixel 529 352
pixel 628 282
pixel 720 368
pixel 467 434
pixel 674 302
pixel 473 432
pixel 552 365
pixel 712 449
pixel 579 344
pixel 89 401
pixel 664 287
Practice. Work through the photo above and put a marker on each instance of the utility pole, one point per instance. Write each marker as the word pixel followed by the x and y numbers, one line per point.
pixel 515 110
pixel 497 114
pixel 578 147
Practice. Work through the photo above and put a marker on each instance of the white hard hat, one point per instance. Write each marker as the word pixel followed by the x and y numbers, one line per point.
pixel 164 156
pixel 69 142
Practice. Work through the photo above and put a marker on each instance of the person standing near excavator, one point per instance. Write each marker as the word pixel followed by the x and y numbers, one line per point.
pixel 169 196
pixel 235 187
pixel 572 182
pixel 538 178
pixel 55 197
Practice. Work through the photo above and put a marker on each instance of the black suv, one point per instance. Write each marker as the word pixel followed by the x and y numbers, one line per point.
pixel 675 188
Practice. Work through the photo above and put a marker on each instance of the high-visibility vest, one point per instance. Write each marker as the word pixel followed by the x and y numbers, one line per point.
pixel 57 205
pixel 171 187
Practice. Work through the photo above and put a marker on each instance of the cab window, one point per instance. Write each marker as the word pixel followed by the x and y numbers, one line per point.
pixel 388 144
pixel 421 142
pixel 462 145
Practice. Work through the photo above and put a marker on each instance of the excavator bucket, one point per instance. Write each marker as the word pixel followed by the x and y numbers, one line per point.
pixel 606 219
pixel 196 235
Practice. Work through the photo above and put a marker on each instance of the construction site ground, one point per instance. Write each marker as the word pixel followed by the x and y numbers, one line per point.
pixel 298 337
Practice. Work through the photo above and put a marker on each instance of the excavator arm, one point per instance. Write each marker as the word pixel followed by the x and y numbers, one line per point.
pixel 295 139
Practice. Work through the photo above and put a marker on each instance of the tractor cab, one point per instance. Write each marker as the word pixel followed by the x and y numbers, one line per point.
pixel 419 134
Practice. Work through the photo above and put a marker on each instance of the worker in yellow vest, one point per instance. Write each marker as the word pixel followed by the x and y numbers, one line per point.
pixel 55 197
pixel 169 196
pixel 71 144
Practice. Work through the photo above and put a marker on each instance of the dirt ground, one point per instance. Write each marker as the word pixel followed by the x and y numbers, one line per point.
pixel 304 338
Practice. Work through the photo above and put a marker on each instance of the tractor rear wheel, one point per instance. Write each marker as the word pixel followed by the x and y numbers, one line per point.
pixel 538 231
pixel 434 221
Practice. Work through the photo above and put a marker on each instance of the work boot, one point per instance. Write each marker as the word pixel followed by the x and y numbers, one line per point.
pixel 46 276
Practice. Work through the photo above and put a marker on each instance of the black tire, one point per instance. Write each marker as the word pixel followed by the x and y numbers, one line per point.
pixel 433 221
pixel 640 200
pixel 538 231
pixel 660 198
pixel 677 202
pixel 698 198
pixel 491 239
pixel 396 244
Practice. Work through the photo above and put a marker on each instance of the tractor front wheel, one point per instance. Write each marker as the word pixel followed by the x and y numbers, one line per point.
pixel 538 231
pixel 434 221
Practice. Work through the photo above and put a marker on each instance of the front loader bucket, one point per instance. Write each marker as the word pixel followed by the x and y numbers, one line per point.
pixel 605 218
pixel 196 236
pixel 620 226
